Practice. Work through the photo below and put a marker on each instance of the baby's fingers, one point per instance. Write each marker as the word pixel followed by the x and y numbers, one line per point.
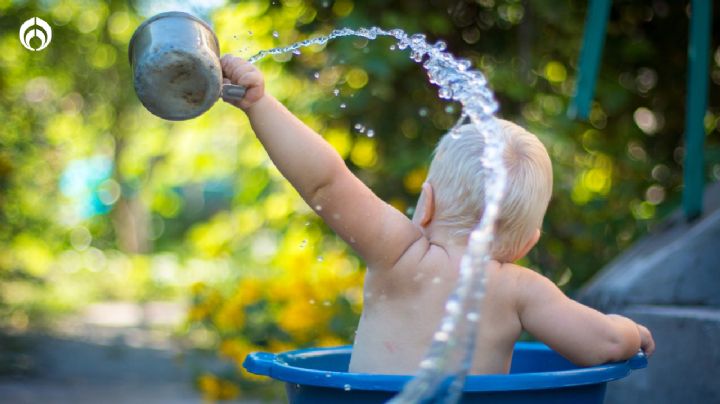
pixel 234 67
pixel 250 79
pixel 241 72
pixel 229 60
pixel 646 340
pixel 239 75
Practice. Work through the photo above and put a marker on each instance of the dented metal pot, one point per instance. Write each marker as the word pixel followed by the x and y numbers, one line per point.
pixel 176 66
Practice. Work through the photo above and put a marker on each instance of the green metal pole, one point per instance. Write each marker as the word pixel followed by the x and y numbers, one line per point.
pixel 590 53
pixel 696 104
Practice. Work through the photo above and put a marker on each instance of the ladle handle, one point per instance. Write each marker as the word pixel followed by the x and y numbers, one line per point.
pixel 232 92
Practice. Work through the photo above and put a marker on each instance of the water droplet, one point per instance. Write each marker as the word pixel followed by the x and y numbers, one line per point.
pixel 403 43
pixel 347 387
pixel 303 243
pixel 328 375
pixel 393 47
pixel 316 75
pixel 275 34
pixel 452 306
pixel 436 280
pixel 326 303
pixel 318 207
pixel 464 64
pixel 427 364
pixel 320 258
pixel 417 39
pixel 336 92
pixel 450 109
pixel 370 133
pixel 311 301
pixel 296 52
pixel 474 317
pixel 445 93
pixel 423 112
pixel 307 223
pixel 343 105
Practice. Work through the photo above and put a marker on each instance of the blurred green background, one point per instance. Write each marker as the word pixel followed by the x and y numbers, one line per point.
pixel 101 201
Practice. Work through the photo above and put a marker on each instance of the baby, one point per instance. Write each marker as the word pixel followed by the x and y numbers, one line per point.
pixel 413 264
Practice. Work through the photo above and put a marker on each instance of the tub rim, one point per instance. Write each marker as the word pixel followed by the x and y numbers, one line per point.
pixel 276 367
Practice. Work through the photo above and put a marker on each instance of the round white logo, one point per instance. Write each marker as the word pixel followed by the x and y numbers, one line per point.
pixel 35 28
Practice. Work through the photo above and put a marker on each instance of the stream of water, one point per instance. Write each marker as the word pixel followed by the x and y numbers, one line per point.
pixel 441 375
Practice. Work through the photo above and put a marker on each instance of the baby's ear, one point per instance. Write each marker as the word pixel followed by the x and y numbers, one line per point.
pixel 531 242
pixel 529 245
pixel 427 204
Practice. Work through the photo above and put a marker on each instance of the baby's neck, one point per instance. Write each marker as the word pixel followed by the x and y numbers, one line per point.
pixel 446 236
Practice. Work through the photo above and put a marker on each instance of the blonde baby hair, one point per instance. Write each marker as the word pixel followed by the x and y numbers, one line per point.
pixel 458 180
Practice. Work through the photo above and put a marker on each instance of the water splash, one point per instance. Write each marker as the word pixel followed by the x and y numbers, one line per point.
pixel 441 375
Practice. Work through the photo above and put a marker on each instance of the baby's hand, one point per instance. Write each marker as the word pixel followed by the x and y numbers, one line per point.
pixel 647 344
pixel 241 72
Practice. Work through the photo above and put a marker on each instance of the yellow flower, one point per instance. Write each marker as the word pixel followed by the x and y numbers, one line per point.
pixel 330 340
pixel 209 385
pixel 197 288
pixel 414 180
pixel 280 346
pixel 214 388
pixel 290 287
pixel 238 350
pixel 250 290
pixel 228 390
pixel 301 318
pixel 233 349
pixel 197 313
pixel 209 304
pixel 231 315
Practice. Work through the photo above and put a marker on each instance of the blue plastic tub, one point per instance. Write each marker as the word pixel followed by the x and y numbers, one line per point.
pixel 537 375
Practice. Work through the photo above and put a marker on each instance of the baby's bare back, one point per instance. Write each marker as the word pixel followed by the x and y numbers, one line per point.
pixel 404 306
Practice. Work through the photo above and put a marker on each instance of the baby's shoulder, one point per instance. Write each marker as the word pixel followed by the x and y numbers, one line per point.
pixel 510 279
pixel 422 263
pixel 523 283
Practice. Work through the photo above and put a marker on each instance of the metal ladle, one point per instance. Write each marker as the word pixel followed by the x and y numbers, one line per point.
pixel 175 58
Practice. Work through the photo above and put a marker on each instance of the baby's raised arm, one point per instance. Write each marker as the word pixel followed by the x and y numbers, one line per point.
pixel 581 334
pixel 376 230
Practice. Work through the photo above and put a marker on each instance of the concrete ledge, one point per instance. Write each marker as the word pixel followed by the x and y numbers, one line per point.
pixel 686 366
pixel 677 264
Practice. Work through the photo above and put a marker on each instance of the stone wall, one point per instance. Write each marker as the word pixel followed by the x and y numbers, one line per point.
pixel 670 282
